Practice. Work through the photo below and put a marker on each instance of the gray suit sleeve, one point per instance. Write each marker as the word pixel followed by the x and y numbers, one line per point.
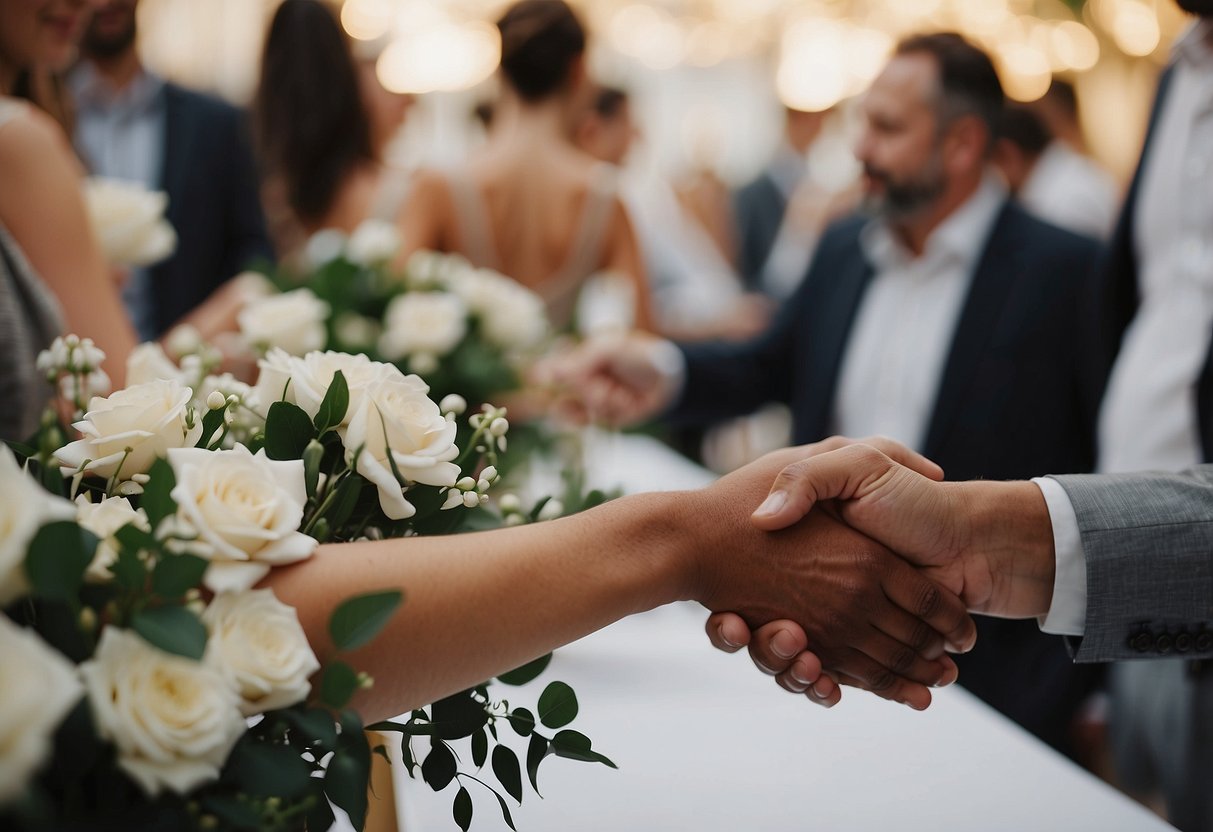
pixel 1148 542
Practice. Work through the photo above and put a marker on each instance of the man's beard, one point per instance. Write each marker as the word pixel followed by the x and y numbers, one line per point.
pixel 107 46
pixel 1204 8
pixel 905 198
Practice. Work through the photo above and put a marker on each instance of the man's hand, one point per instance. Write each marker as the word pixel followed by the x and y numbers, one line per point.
pixel 869 615
pixel 613 380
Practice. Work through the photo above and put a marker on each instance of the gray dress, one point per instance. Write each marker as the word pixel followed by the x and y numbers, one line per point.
pixel 30 319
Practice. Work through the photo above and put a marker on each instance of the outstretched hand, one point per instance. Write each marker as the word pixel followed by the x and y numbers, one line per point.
pixel 870 616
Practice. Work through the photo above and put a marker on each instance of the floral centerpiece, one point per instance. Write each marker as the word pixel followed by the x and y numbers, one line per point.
pixel 147 681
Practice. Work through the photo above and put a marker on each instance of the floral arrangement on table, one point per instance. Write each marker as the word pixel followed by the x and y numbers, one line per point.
pixel 464 330
pixel 146 682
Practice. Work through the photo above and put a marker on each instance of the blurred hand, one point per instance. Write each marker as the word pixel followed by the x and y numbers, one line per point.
pixel 868 614
pixel 615 380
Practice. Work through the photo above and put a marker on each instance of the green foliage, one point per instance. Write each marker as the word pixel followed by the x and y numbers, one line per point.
pixel 335 404
pixel 56 561
pixel 173 629
pixel 157 501
pixel 338 685
pixel 175 575
pixel 527 673
pixel 287 431
pixel 358 620
pixel 557 705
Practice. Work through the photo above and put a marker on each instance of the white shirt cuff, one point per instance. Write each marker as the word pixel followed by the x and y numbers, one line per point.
pixel 1068 612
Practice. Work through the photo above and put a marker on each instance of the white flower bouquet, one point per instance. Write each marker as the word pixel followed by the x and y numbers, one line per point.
pixel 147 683
pixel 464 330
pixel 129 219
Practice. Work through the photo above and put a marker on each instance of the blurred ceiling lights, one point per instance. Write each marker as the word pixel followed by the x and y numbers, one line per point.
pixel 825 50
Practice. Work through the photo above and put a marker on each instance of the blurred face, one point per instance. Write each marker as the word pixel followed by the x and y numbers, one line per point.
pixel 112 30
pixel 41 33
pixel 386 110
pixel 609 138
pixel 901 146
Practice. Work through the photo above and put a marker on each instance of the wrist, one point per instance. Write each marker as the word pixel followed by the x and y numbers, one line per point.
pixel 1012 535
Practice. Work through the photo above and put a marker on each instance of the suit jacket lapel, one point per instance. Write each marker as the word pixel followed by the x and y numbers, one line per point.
pixel 986 299
pixel 831 307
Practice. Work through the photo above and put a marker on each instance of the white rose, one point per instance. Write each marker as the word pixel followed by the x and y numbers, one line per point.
pixel 511 315
pixel 130 222
pixel 146 420
pixel 292 321
pixel 356 330
pixel 37 690
pixel 273 381
pixel 423 322
pixel 257 643
pixel 173 720
pixel 148 362
pixel 323 247
pixel 312 375
pixel 104 519
pixel 245 510
pixel 397 417
pixel 373 242
pixel 430 268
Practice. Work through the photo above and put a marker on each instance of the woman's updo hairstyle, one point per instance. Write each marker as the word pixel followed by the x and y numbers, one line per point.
pixel 540 41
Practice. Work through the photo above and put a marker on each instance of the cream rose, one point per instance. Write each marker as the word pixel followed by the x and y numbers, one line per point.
pixel 397 417
pixel 312 375
pixel 273 381
pixel 292 321
pixel 174 721
pixel 430 269
pixel 24 509
pixel 148 362
pixel 104 519
pixel 37 690
pixel 423 322
pixel 147 420
pixel 245 510
pixel 323 247
pixel 258 645
pixel 511 315
pixel 373 242
pixel 130 221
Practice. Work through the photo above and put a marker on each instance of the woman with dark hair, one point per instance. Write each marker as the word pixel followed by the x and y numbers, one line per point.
pixel 322 122
pixel 530 204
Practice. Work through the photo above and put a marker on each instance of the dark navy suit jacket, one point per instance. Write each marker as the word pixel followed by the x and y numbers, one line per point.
pixel 214 202
pixel 1013 403
pixel 758 209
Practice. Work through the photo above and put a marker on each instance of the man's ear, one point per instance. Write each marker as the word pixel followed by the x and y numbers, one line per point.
pixel 967 144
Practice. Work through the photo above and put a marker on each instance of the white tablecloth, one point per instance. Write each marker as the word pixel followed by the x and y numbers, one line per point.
pixel 705 742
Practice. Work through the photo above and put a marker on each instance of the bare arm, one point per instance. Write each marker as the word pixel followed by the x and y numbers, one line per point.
pixel 42 207
pixel 623 256
pixel 477 605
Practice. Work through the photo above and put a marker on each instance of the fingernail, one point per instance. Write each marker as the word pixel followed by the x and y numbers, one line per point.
pixel 772 504
pixel 797 678
pixel 783 645
pixel 728 642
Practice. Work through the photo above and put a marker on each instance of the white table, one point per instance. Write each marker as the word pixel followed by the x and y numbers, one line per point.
pixel 704 742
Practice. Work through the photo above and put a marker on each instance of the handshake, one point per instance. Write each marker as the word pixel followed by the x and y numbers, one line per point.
pixel 858 566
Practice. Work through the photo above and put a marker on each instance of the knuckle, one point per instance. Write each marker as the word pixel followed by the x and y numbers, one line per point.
pixel 902 660
pixel 882 679
pixel 930 601
pixel 921 637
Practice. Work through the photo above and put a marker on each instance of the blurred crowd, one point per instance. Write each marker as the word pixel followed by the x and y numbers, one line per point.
pixel 984 292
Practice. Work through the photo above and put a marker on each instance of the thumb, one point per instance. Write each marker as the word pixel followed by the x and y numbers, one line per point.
pixel 840 474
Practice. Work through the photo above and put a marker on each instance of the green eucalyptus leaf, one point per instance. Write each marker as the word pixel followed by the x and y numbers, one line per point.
pixel 527 673
pixel 439 767
pixel 176 575
pixel 359 619
pixel 345 501
pixel 345 782
pixel 536 752
pixel 335 404
pixel 212 422
pixel 458 716
pixel 173 629
pixel 508 771
pixel 557 705
pixel 338 685
pixel 157 501
pixel 505 811
pixel 57 558
pixel 462 809
pixel 522 721
pixel 573 745
pixel 315 725
pixel 320 816
pixel 129 571
pixel 480 749
pixel 287 431
pixel 136 539
pixel 268 770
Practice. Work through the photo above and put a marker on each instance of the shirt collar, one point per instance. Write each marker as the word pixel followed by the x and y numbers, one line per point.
pixel 959 239
pixel 92 93
pixel 1195 46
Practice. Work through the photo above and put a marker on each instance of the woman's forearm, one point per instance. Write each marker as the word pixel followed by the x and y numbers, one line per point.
pixel 477 605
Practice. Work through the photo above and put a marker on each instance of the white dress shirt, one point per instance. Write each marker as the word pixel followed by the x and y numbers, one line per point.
pixel 1069 189
pixel 1148 418
pixel 894 359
